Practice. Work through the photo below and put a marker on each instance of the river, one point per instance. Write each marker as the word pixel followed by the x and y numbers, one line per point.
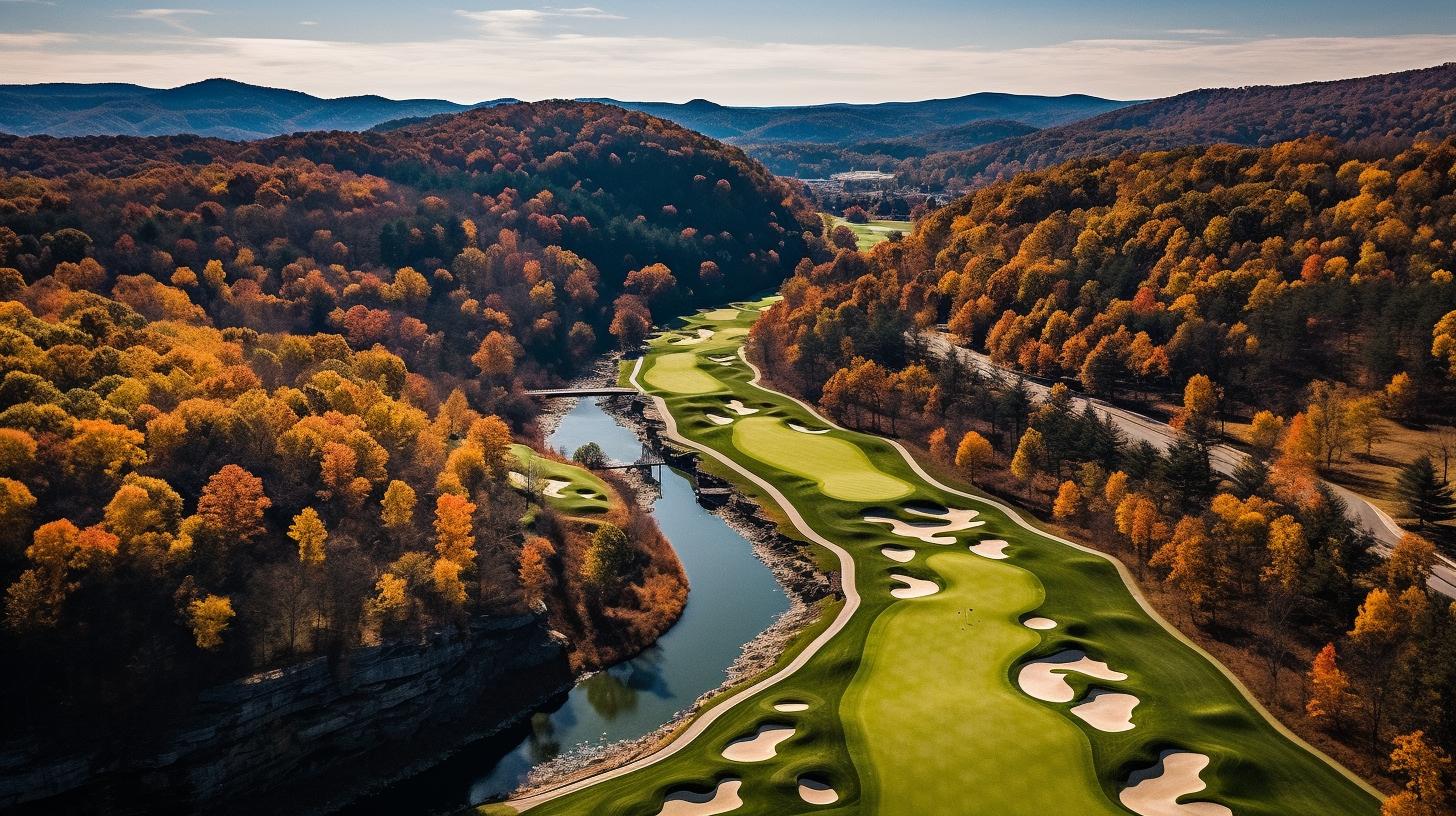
pixel 733 597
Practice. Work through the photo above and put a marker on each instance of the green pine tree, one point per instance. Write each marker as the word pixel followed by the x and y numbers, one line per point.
pixel 1426 497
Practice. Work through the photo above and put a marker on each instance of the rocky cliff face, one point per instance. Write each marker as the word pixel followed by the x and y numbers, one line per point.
pixel 309 731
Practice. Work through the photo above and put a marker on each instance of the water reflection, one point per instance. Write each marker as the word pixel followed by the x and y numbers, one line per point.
pixel 733 597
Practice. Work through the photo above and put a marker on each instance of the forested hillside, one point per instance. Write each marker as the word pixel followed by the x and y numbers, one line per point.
pixel 1306 287
pixel 258 398
pixel 1388 108
pixel 1263 268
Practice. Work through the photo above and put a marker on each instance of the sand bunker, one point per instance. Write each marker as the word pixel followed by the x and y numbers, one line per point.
pixel 737 407
pixel 717 419
pixel 762 745
pixel 729 360
pixel 1046 679
pixel 791 706
pixel 691 803
pixel 801 429
pixel 1039 624
pixel 553 488
pixel 897 554
pixel 930 532
pixel 703 334
pixel 816 791
pixel 1155 791
pixel 914 588
pixel 990 548
pixel 1109 711
pixel 516 479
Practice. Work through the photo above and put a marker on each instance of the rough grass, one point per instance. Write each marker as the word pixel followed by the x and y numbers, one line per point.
pixel 913 705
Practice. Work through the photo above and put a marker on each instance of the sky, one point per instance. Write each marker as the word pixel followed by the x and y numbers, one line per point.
pixel 738 52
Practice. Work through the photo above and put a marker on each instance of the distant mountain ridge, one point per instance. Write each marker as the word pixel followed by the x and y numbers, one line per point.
pixel 229 109
pixel 843 123
pixel 1400 106
pixel 221 108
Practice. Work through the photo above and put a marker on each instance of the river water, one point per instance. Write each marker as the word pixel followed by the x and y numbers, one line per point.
pixel 733 597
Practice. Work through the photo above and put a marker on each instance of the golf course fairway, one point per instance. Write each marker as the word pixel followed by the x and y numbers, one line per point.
pixel 908 697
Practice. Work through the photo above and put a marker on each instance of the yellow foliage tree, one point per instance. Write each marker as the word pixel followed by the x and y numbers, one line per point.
pixel 455 529
pixel 1030 454
pixel 210 617
pixel 397 508
pixel 310 534
pixel 972 454
pixel 1069 503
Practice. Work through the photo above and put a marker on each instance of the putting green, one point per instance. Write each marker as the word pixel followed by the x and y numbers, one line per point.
pixel 934 703
pixel 721 315
pixel 910 702
pixel 841 469
pixel 679 373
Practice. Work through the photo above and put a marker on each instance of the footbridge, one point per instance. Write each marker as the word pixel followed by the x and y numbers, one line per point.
pixel 600 391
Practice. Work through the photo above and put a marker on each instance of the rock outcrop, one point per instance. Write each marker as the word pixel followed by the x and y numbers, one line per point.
pixel 307 731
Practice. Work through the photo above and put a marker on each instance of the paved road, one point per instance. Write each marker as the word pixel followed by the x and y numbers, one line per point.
pixel 1224 458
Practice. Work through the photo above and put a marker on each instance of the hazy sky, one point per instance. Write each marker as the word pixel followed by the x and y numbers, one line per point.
pixel 736 51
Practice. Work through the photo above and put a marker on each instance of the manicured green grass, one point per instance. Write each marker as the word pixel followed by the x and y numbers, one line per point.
pixel 871 233
pixel 840 468
pixel 914 707
pixel 584 495
pixel 679 373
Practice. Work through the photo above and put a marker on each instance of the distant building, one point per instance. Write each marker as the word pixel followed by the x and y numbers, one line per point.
pixel 863 175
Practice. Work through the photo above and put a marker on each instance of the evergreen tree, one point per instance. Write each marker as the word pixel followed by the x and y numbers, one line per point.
pixel 1425 496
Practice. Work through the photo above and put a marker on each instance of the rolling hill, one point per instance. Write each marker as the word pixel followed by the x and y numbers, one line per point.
pixel 214 107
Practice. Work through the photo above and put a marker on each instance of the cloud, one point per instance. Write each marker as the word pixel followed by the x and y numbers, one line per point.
pixel 1201 32
pixel 521 22
pixel 308 22
pixel 167 16
pixel 546 63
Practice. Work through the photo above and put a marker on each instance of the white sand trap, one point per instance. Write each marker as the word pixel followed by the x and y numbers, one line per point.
pixel 718 419
pixel 791 707
pixel 1039 624
pixel 897 554
pixel 764 744
pixel 816 791
pixel 729 360
pixel 801 429
pixel 990 548
pixel 1108 711
pixel 689 803
pixel 1046 679
pixel 1155 791
pixel 516 479
pixel 703 334
pixel 737 407
pixel 553 488
pixel 930 532
pixel 914 587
